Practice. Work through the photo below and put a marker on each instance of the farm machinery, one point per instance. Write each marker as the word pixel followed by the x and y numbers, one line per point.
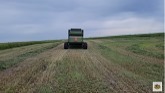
pixel 75 38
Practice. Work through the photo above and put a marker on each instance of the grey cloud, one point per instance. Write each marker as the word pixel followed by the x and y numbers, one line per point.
pixel 40 19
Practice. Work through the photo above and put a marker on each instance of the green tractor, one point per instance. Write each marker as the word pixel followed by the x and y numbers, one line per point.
pixel 75 38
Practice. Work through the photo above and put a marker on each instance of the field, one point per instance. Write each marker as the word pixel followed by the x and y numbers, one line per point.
pixel 119 64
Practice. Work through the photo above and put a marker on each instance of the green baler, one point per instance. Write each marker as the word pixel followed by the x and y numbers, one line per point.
pixel 75 38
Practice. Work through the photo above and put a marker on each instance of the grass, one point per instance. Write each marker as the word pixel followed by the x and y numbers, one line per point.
pixel 4 64
pixel 109 65
pixel 19 44
pixel 72 76
pixel 139 46
pixel 131 36
pixel 160 46
pixel 45 89
pixel 139 49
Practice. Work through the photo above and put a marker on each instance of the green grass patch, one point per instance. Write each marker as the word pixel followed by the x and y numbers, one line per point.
pixel 19 44
pixel 73 77
pixel 135 66
pixel 137 48
pixel 160 46
pixel 45 89
pixel 131 36
pixel 13 61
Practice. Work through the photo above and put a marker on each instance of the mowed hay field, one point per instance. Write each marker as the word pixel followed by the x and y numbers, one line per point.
pixel 121 64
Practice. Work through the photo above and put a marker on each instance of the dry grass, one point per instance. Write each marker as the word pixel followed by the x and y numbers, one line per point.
pixel 105 67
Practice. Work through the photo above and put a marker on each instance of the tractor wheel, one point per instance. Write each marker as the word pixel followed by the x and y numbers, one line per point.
pixel 85 46
pixel 66 45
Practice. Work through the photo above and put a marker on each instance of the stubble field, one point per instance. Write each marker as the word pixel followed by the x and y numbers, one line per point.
pixel 124 64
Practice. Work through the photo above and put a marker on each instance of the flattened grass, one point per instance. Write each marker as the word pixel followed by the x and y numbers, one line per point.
pixel 19 44
pixel 72 76
pixel 137 48
pixel 144 45
pixel 5 64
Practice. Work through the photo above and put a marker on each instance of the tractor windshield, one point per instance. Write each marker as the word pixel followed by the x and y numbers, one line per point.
pixel 75 34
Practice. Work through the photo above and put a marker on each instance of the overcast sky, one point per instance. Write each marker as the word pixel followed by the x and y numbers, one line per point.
pixel 28 20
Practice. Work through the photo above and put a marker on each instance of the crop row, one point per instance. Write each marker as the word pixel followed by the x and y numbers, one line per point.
pixel 19 44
